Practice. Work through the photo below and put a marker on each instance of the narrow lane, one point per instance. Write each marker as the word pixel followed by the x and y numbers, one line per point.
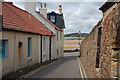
pixel 64 68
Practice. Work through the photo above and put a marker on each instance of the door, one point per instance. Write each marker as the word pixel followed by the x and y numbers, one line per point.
pixel 20 45
pixel 50 48
pixel 44 48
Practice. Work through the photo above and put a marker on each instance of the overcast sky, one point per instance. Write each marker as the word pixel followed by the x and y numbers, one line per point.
pixel 81 16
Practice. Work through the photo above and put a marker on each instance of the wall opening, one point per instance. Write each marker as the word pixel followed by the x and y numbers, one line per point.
pixel 98 47
pixel 20 44
pixel 50 46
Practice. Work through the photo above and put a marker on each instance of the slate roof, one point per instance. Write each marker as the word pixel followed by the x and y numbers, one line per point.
pixel 56 27
pixel 17 19
pixel 59 19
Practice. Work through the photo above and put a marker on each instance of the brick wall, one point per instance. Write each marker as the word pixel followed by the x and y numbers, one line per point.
pixel 110 44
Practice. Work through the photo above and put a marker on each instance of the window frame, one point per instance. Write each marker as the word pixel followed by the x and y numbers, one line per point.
pixel 3 45
pixel 29 47
pixel 52 18
pixel 98 55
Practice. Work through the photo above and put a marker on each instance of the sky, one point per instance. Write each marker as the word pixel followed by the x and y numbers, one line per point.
pixel 78 16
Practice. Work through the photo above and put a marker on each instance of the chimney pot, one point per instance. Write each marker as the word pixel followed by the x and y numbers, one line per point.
pixel 43 10
pixel 60 5
pixel 45 5
pixel 41 5
pixel 60 9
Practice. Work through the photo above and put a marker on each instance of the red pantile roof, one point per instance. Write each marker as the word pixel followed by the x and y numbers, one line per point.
pixel 49 21
pixel 15 18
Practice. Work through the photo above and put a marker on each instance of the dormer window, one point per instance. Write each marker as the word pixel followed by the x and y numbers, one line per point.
pixel 53 19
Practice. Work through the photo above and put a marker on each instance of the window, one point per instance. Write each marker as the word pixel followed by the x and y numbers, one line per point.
pixel 99 47
pixel 53 18
pixel 3 47
pixel 29 47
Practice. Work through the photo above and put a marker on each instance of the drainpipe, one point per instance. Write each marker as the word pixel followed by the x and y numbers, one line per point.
pixel 50 55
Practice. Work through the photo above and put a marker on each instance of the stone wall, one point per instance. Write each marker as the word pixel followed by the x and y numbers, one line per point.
pixel 110 45
pixel 109 36
pixel 88 52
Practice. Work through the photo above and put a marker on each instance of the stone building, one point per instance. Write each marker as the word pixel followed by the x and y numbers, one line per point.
pixel 100 51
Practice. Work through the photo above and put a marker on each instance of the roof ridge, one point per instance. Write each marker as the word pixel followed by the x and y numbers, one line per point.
pixel 16 7
pixel 17 15
pixel 20 16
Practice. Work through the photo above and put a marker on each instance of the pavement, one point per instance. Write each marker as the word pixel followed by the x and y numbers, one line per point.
pixel 21 73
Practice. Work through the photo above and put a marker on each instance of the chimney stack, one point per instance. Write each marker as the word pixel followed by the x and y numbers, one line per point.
pixel 60 9
pixel 1 0
pixel 43 10
pixel 30 6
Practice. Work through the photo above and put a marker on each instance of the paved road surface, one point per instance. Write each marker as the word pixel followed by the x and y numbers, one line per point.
pixel 71 54
pixel 64 68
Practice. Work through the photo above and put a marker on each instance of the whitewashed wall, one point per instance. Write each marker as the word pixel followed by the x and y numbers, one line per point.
pixel 45 48
pixel 57 44
pixel 11 62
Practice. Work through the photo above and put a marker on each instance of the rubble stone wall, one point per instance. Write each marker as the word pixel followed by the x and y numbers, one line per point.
pixel 110 45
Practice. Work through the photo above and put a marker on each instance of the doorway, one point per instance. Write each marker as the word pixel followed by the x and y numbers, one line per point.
pixel 50 48
pixel 20 44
